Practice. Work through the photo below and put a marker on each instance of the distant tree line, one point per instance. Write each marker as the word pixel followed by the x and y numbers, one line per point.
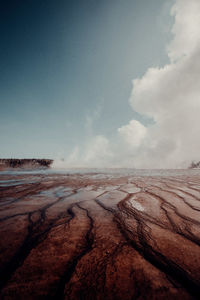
pixel 15 162
pixel 194 165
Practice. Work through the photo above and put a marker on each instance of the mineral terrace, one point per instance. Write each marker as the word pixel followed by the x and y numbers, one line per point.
pixel 99 236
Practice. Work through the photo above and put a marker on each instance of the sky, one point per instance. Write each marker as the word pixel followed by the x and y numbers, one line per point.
pixel 100 83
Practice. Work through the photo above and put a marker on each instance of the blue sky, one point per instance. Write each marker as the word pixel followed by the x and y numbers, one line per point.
pixel 64 62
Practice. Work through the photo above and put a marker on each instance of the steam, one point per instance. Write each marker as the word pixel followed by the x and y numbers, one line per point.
pixel 95 153
pixel 170 96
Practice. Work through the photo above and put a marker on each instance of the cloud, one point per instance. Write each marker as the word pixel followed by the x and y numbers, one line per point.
pixel 133 133
pixel 185 29
pixel 171 96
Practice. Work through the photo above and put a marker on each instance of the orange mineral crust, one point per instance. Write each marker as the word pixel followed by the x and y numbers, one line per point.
pixel 100 235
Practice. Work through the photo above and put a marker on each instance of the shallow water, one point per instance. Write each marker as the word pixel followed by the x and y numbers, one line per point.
pixel 98 173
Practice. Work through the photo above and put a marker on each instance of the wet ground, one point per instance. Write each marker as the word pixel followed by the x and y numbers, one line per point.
pixel 100 235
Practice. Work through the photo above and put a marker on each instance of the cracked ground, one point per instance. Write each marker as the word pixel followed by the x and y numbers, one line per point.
pixel 100 236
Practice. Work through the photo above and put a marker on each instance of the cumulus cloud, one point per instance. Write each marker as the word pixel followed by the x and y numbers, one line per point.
pixel 171 96
pixel 185 29
pixel 133 133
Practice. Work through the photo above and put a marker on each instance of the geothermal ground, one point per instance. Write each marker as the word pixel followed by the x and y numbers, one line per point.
pixel 100 236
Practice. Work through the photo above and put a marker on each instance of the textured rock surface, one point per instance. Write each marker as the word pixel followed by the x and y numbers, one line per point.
pixel 99 236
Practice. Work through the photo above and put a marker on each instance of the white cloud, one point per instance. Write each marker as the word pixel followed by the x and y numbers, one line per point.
pixel 133 133
pixel 171 96
pixel 185 29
